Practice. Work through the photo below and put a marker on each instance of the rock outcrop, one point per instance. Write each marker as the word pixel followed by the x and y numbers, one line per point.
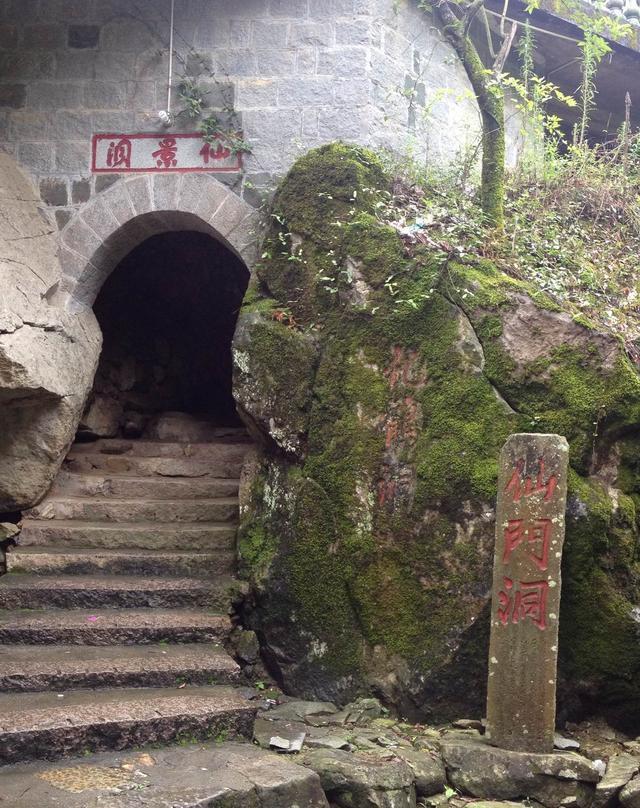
pixel 47 356
pixel 367 527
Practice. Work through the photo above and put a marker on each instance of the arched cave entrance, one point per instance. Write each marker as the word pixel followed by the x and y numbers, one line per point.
pixel 167 314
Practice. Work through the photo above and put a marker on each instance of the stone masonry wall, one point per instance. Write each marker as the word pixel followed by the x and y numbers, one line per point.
pixel 300 73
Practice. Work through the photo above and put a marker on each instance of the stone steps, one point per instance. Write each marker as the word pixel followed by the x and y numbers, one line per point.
pixel 134 535
pixel 122 579
pixel 112 591
pixel 66 667
pixel 148 466
pixel 228 448
pixel 87 561
pixel 216 775
pixel 98 484
pixel 220 509
pixel 44 726
pixel 112 626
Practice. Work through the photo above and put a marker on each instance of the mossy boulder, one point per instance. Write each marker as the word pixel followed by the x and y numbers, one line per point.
pixel 398 374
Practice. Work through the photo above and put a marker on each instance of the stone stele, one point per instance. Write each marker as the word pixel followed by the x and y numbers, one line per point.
pixel 523 651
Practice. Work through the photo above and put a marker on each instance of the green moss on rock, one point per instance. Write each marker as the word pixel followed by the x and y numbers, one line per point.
pixel 379 536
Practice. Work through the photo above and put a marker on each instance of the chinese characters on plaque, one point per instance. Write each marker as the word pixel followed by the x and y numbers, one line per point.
pixel 532 493
pixel 161 152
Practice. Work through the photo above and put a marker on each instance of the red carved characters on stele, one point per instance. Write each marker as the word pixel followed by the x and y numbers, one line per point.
pixel 527 600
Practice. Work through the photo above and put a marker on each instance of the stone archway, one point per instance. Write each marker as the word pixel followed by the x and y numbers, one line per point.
pixel 133 209
pixel 114 233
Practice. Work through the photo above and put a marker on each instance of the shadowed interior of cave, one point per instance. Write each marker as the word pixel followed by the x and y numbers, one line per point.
pixel 167 314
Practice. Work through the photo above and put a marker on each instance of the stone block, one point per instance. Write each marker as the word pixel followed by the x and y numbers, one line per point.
pixel 104 181
pixel 76 64
pixel 13 95
pixel 26 65
pixel 113 121
pixel 165 191
pixel 355 32
pixel 361 779
pixel 191 190
pixel 272 127
pixel 80 191
pixel 347 62
pixel 213 194
pixel 306 62
pixel 352 92
pixel 620 770
pixel 310 122
pixel 233 217
pixel 139 191
pixel 54 192
pixel 305 92
pixel 43 36
pixel 22 11
pixel 8 37
pixel 115 66
pixel 142 94
pixel 218 94
pixel 80 239
pixel 315 34
pixel 486 772
pixel 50 95
pixel 104 95
pixel 275 62
pixel 83 36
pixel 64 10
pixel 334 124
pixel 268 34
pixel 73 157
pixel 128 35
pixel 62 218
pixel 293 9
pixel 257 93
pixel 36 156
pixel 70 125
pixel 100 218
pixel 333 8
pixel 236 62
pixel 630 794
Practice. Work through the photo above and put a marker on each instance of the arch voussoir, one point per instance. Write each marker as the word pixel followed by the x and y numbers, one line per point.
pixel 135 208
pixel 165 190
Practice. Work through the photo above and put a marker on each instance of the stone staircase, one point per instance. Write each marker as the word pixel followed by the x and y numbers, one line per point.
pixel 115 607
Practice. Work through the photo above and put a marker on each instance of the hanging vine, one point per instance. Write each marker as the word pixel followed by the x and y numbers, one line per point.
pixel 216 126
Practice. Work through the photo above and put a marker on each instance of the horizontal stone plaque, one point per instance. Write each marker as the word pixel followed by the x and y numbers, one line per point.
pixel 123 154
pixel 523 652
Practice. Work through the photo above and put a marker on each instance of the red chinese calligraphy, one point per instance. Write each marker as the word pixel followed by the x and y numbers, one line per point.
pixel 119 154
pixel 165 155
pixel 219 153
pixel 527 487
pixel 527 602
pixel 536 536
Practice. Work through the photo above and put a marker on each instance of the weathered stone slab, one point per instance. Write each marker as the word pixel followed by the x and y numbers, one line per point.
pixel 483 771
pixel 360 780
pixel 630 795
pixel 620 770
pixel 221 776
pixel 523 652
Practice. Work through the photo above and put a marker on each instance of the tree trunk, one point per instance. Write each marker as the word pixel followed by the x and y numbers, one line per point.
pixel 491 102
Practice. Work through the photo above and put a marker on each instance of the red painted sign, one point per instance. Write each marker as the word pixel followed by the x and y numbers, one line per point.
pixel 123 154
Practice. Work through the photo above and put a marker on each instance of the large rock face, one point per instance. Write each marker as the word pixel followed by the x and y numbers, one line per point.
pixel 368 515
pixel 47 357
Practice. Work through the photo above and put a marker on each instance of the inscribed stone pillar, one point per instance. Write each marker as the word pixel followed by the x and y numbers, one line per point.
pixel 523 651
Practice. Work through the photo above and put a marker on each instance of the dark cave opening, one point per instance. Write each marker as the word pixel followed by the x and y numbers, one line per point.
pixel 167 313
